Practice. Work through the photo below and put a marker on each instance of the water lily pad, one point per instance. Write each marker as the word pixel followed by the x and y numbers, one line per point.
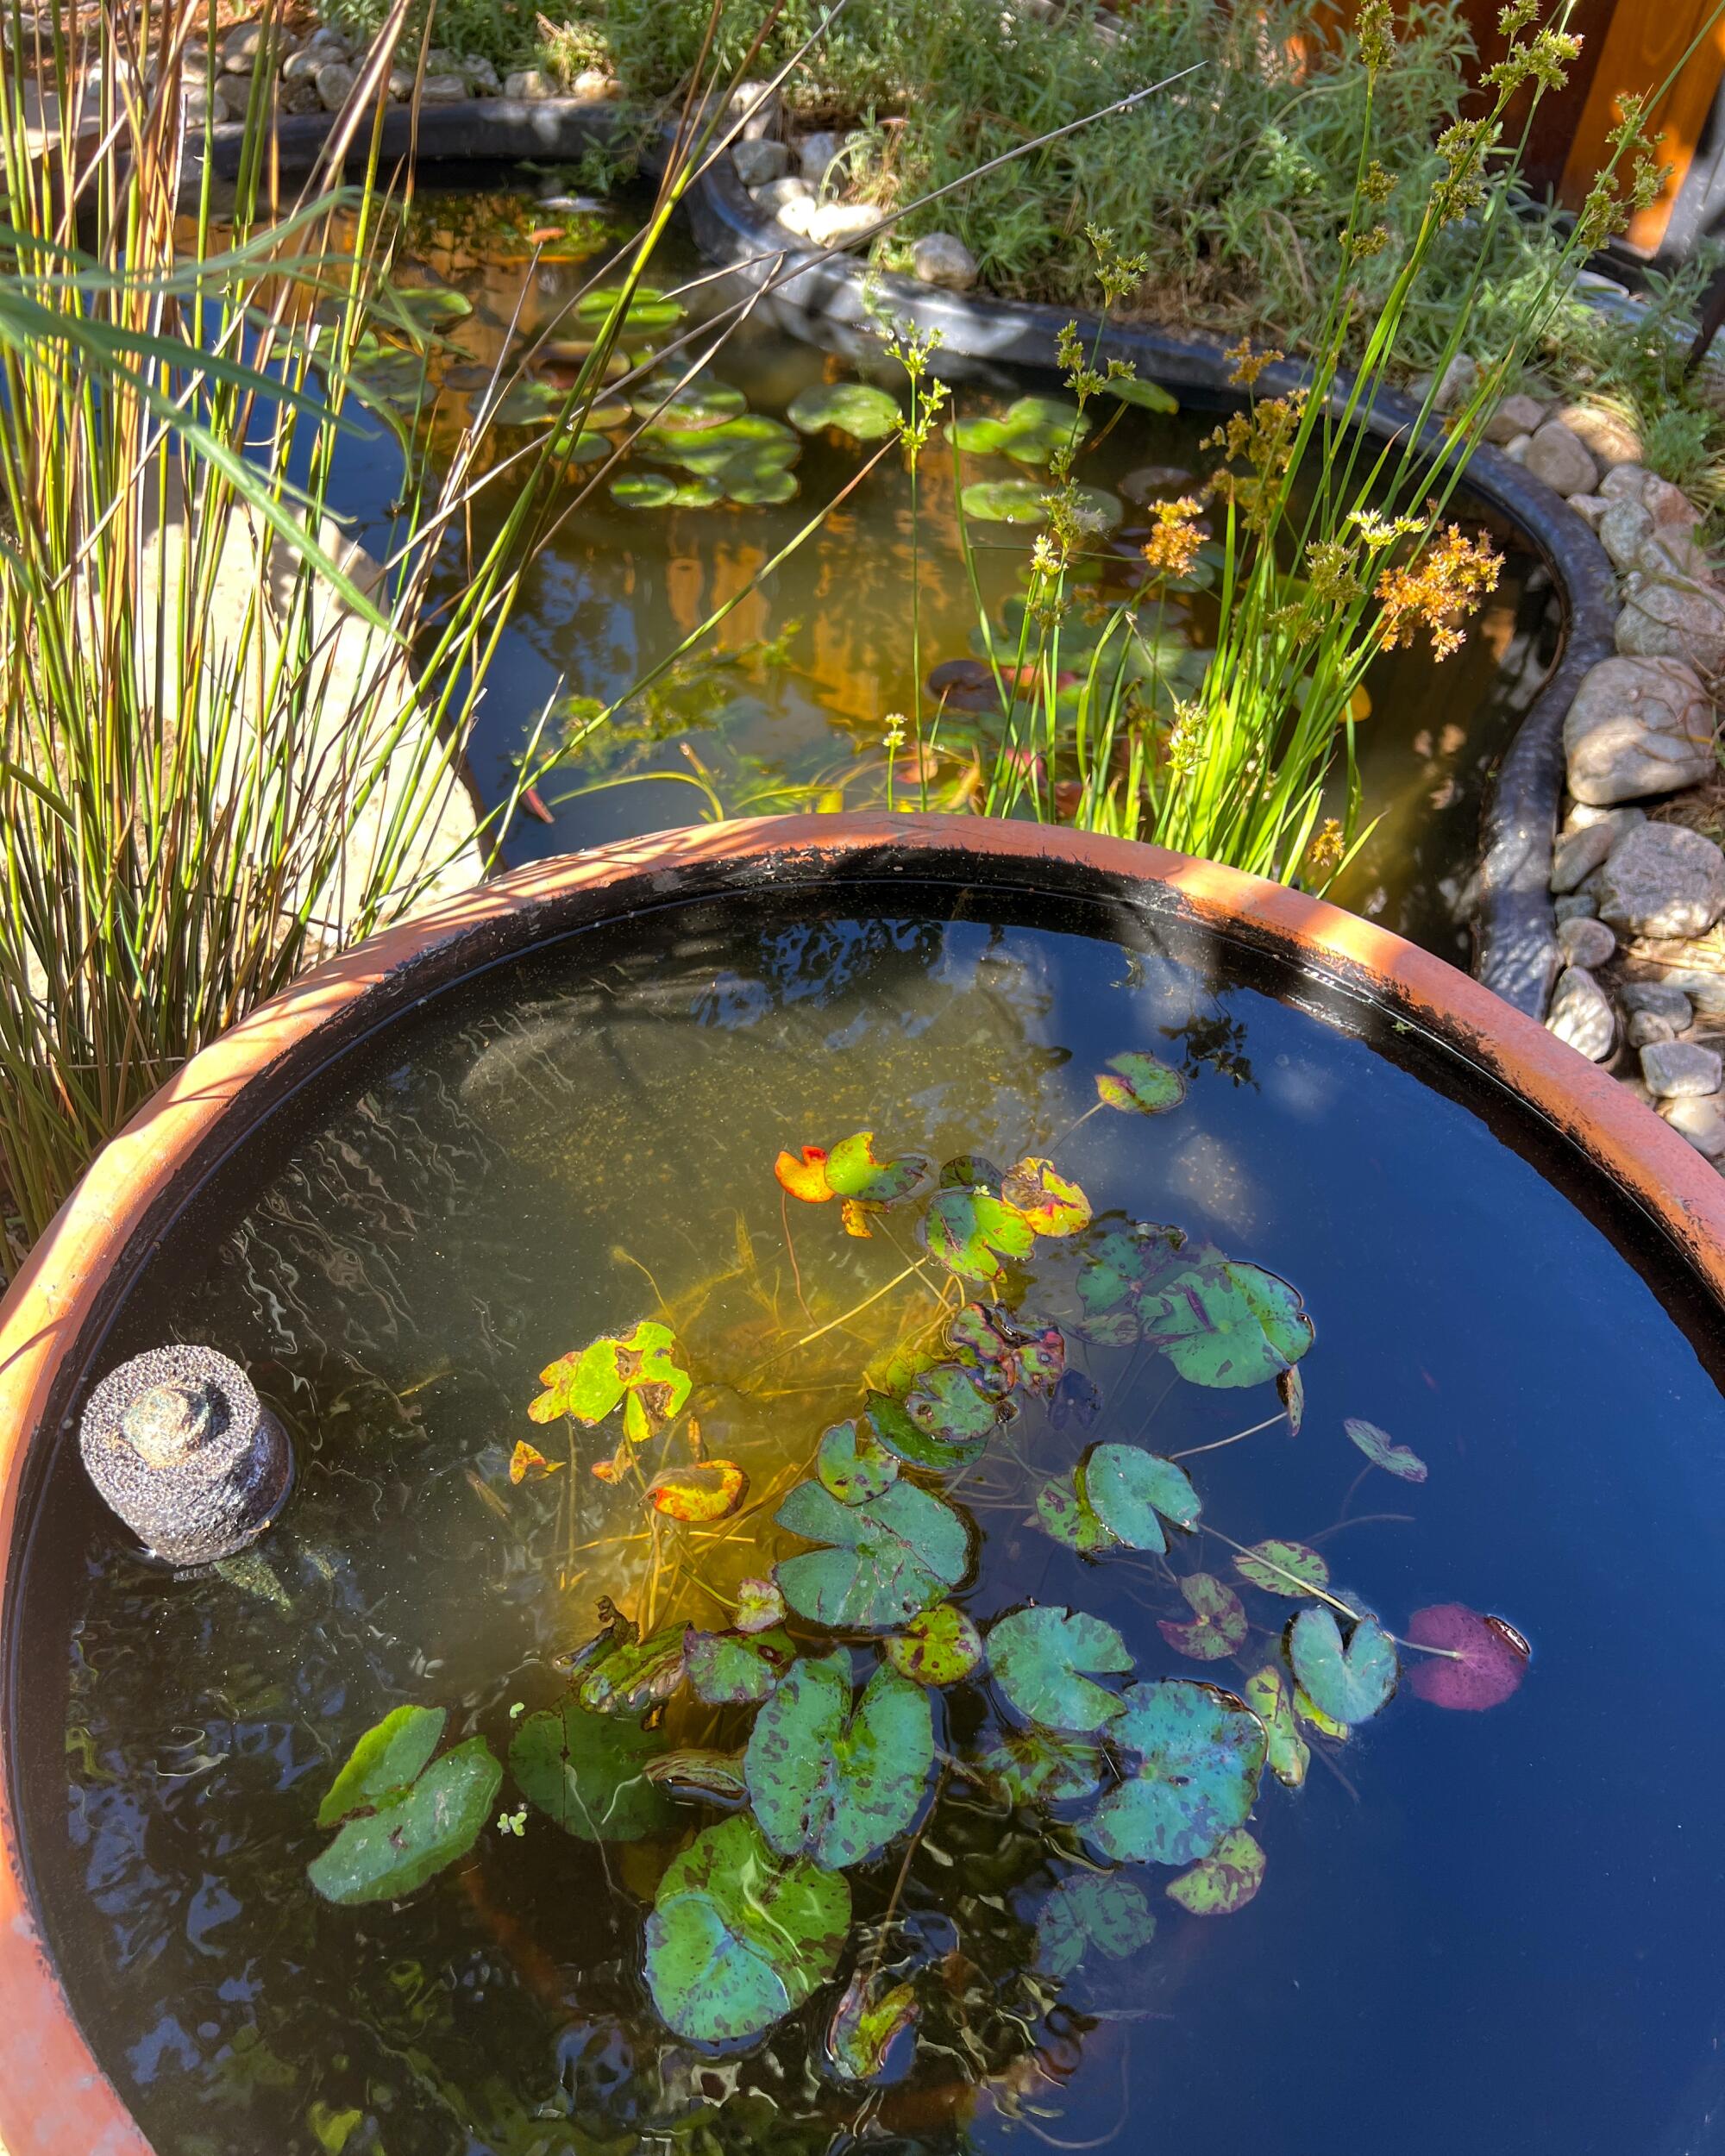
pixel 868 2020
pixel 584 447
pixel 413 1832
pixel 432 306
pixel 392 1753
pixel 979 433
pixel 767 446
pixel 701 1492
pixel 1224 1881
pixel 759 1606
pixel 528 403
pixel 701 402
pixel 1092 1909
pixel 833 1785
pixel 970 1232
pixel 588 1772
pixel 1121 1268
pixel 528 1463
pixel 1325 1725
pixel 854 408
pixel 1288 1755
pixel 1051 1202
pixel 1032 428
pixel 753 483
pixel 649 311
pixel 638 1367
pixel 1132 1491
pixel 853 1170
pixel 804 1175
pixel 1283 1568
pixel 1292 1388
pixel 853 1463
pixel 737 1938
pixel 1227 1324
pixel 886 1420
pixel 1217 1625
pixel 1381 1449
pixel 984 1335
pixel 728 1670
pixel 1005 501
pixel 1044 1660
pixel 888 1558
pixel 1201 1751
pixel 940 1647
pixel 951 1405
pixel 658 490
pixel 1492 1660
pixel 1140 1084
pixel 1066 1516
pixel 1037 1767
pixel 1349 1684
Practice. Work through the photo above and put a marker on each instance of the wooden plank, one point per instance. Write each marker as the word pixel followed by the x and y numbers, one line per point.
pixel 1643 42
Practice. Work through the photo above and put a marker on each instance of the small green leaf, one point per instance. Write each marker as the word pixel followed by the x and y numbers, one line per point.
pixel 889 1556
pixel 1035 1767
pixel 1381 1449
pixel 1091 1909
pixel 853 1463
pixel 641 1364
pixel 589 1773
pixel 854 408
pixel 1140 1084
pixel 969 1233
pixel 1127 1487
pixel 386 1758
pixel 853 1171
pixel 666 400
pixel 725 1670
pixel 892 1427
pixel 1349 1684
pixel 759 1606
pixel 940 1647
pixel 1218 1627
pixel 1005 501
pixel 949 1405
pixel 1288 1755
pixel 1071 1521
pixel 1053 1204
pixel 833 1785
pixel 1044 1660
pixel 414 1833
pixel 1283 1568
pixel 1201 1751
pixel 636 1674
pixel 1224 1881
pixel 865 2024
pixel 1148 396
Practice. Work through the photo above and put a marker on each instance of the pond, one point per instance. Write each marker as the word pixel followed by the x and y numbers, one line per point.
pixel 786 706
pixel 1238 1271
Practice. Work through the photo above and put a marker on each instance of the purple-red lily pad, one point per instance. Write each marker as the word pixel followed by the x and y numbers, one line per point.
pixel 1484 1662
pixel 1217 1625
pixel 1381 1449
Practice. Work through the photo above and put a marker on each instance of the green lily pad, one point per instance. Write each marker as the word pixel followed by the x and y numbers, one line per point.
pixel 939 1646
pixel 886 1420
pixel 949 1405
pixel 1120 1268
pixel 1032 429
pixel 1053 1204
pixel 588 1772
pixel 638 1367
pixel 1283 1568
pixel 1005 501
pixel 984 1335
pixel 887 1558
pixel 1035 1767
pixel 853 1171
pixel 1201 1751
pixel 752 484
pixel 432 306
pixel 1288 1755
pixel 727 1670
pixel 414 1833
pixel 969 1233
pixel 1066 1516
pixel 632 1675
pixel 399 385
pixel 1044 1660
pixel 527 403
pixel 1217 1625
pixel 1147 396
pixel 854 408
pixel 866 2023
pixel 1227 1324
pixel 1140 1084
pixel 1092 1909
pixel 1132 1491
pixel 1224 1881
pixel 1381 1449
pixel 833 1785
pixel 853 1463
pixel 980 434
pixel 658 490
pixel 752 439
pixel 584 447
pixel 759 1606
pixel 736 1939
pixel 649 311
pixel 1349 1684
pixel 703 401
pixel 386 1758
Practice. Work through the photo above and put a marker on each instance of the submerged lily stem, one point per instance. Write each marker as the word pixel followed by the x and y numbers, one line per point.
pixel 1096 1108
pixel 1216 1445
pixel 857 1309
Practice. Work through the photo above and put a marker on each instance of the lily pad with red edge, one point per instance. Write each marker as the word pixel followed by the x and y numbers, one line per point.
pixel 984 1333
pixel 1132 1490
pixel 1066 1516
pixel 1051 1202
pixel 1139 1084
pixel 1218 1624
pixel 939 1646
pixel 852 1462
pixel 805 1175
pixel 971 1232
pixel 854 1170
pixel 1381 1449
pixel 528 1463
pixel 641 1364
pixel 1484 1661
pixel 699 1493
pixel 1283 1568
pixel 1042 1360
pixel 1223 1881
pixel 1350 1682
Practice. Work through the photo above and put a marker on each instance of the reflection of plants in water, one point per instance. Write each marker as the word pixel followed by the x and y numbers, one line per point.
pixel 924 1826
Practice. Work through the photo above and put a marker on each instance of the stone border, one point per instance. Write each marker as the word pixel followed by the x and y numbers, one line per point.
pixel 817 294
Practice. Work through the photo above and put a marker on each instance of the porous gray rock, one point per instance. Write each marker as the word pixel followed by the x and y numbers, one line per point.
pixel 1608 439
pixel 758 162
pixel 1558 458
pixel 1579 854
pixel 1662 620
pixel 1586 942
pixel 1657 998
pixel 1699 1118
pixel 815 153
pixel 942 259
pixel 1515 415
pixel 1581 1014
pixel 1662 880
pixel 1637 727
pixel 336 80
pixel 1675 1069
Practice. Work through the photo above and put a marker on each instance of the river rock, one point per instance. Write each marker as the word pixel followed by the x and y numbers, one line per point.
pixel 1624 482
pixel 1662 881
pixel 759 162
pixel 830 223
pixel 1676 1069
pixel 760 107
pixel 233 96
pixel 1700 1120
pixel 1581 1014
pixel 1625 527
pixel 943 259
pixel 443 89
pixel 1669 504
pixel 1673 552
pixel 1590 508
pixel 815 153
pixel 1585 941
pixel 480 77
pixel 529 84
pixel 1575 905
pixel 241 47
pixel 328 44
pixel 796 214
pixel 303 65
pixel 1657 998
pixel 594 85
pixel 1556 456
pixel 1673 620
pixel 1643 1028
pixel 300 96
pixel 1581 813
pixel 1515 415
pixel 1516 450
pixel 1607 439
pixel 1637 726
pixel 773 195
pixel 1579 854
pixel 335 81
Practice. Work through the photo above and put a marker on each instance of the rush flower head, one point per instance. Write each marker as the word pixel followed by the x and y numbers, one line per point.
pixel 1185 743
pixel 1248 365
pixel 1437 591
pixel 895 725
pixel 1172 548
pixel 1324 855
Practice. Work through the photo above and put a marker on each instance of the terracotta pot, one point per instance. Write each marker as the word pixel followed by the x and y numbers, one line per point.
pixel 55 2099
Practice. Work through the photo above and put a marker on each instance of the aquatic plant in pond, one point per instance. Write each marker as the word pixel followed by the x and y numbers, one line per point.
pixel 814 1722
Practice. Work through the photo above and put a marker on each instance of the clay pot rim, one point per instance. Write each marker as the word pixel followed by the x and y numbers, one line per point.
pixel 54 2098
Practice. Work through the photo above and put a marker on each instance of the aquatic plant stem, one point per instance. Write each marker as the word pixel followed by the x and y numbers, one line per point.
pixel 855 1310
pixel 1216 1445
pixel 1241 1548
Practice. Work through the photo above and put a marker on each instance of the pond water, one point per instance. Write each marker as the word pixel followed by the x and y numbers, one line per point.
pixel 786 705
pixel 1494 1930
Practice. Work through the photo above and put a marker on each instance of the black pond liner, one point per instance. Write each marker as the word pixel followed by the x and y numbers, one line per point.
pixel 818 295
